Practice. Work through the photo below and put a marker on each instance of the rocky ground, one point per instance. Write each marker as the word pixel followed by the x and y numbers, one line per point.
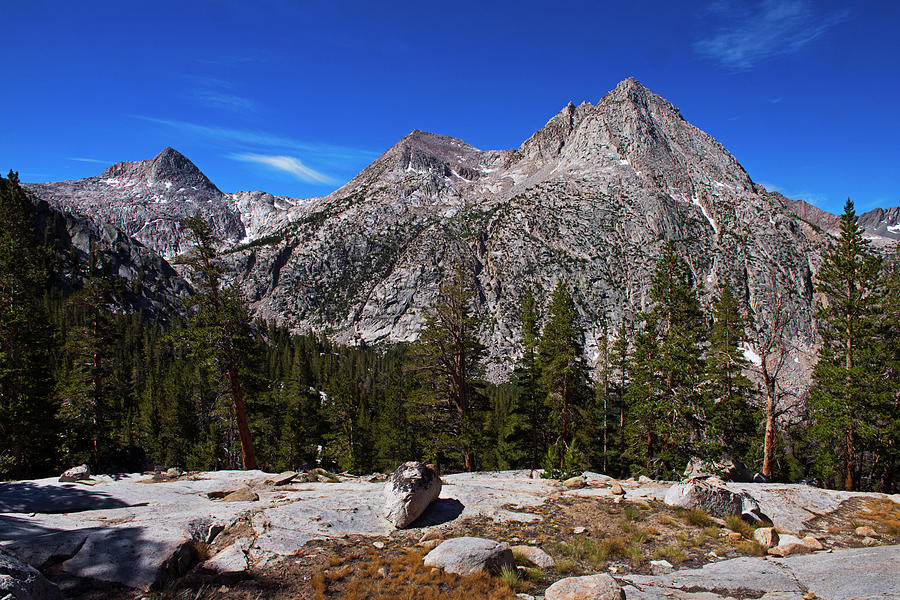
pixel 233 534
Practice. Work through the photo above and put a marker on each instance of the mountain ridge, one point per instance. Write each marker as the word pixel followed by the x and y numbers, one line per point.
pixel 590 198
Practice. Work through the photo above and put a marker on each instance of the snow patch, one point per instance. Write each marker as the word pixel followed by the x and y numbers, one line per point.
pixel 894 228
pixel 696 201
pixel 751 356
pixel 111 181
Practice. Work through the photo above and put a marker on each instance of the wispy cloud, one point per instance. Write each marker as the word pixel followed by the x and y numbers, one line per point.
pixel 90 160
pixel 222 100
pixel 263 141
pixel 776 100
pixel 288 164
pixel 747 33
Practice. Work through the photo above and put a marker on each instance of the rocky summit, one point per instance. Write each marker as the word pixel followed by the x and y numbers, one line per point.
pixel 591 198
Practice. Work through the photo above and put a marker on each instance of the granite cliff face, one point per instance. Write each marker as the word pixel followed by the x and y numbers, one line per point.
pixel 591 199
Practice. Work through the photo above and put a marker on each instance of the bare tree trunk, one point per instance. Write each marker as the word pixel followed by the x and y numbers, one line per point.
pixel 769 442
pixel 248 456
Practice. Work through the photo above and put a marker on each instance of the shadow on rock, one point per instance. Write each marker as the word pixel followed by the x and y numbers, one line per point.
pixel 442 510
pixel 29 497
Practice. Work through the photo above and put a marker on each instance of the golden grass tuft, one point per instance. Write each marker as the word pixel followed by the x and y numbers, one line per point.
pixel 405 577
pixel 737 524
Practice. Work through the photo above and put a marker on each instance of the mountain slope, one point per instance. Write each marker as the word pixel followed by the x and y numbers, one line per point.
pixel 590 198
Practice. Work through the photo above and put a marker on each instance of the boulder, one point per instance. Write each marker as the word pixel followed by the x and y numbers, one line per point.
pixel 590 587
pixel 174 473
pixel 766 537
pixel 575 483
pixel 409 491
pixel 79 473
pixel 728 467
pixel 714 498
pixel 660 567
pixel 616 489
pixel 469 555
pixel 535 556
pixel 242 495
pixel 284 478
pixel 865 531
pixel 19 581
pixel 813 543
pixel 789 545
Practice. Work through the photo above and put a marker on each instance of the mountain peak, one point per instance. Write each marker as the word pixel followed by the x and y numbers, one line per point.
pixel 170 165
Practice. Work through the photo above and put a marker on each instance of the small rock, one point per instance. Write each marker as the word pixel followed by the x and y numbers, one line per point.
pixel 590 587
pixel 644 479
pixel 242 495
pixel 809 596
pixel 789 545
pixel 232 559
pixel 734 536
pixel 429 545
pixel 324 476
pixel 575 483
pixel 378 545
pixel 430 534
pixel 79 473
pixel 382 572
pixel 284 478
pixel 616 489
pixel 579 530
pixel 174 473
pixel 618 499
pixel 766 537
pixel 813 543
pixel 535 556
pixel 523 596
pixel 468 555
pixel 869 541
pixel 661 567
pixel 865 531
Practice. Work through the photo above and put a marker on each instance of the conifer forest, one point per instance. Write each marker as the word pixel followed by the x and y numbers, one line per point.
pixel 83 380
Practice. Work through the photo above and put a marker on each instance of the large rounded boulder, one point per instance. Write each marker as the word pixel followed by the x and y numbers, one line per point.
pixel 469 555
pixel 713 497
pixel 409 491
pixel 589 587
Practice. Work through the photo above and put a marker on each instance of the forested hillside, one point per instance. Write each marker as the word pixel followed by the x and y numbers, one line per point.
pixel 87 377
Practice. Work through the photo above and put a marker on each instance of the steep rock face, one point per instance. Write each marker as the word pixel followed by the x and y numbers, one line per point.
pixel 141 279
pixel 591 199
pixel 882 226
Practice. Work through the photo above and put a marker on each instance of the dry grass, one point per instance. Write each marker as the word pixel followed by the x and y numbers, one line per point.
pixel 403 576
pixel 750 548
pixel 696 517
pixel 670 552
pixel 737 524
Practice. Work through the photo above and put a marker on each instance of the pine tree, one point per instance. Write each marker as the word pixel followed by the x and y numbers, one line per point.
pixel 27 408
pixel 563 373
pixel 841 400
pixel 526 378
pixel 89 388
pixel 667 420
pixel 219 330
pixel 449 353
pixel 729 391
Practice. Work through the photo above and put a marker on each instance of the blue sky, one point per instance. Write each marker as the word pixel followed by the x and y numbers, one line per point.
pixel 296 97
